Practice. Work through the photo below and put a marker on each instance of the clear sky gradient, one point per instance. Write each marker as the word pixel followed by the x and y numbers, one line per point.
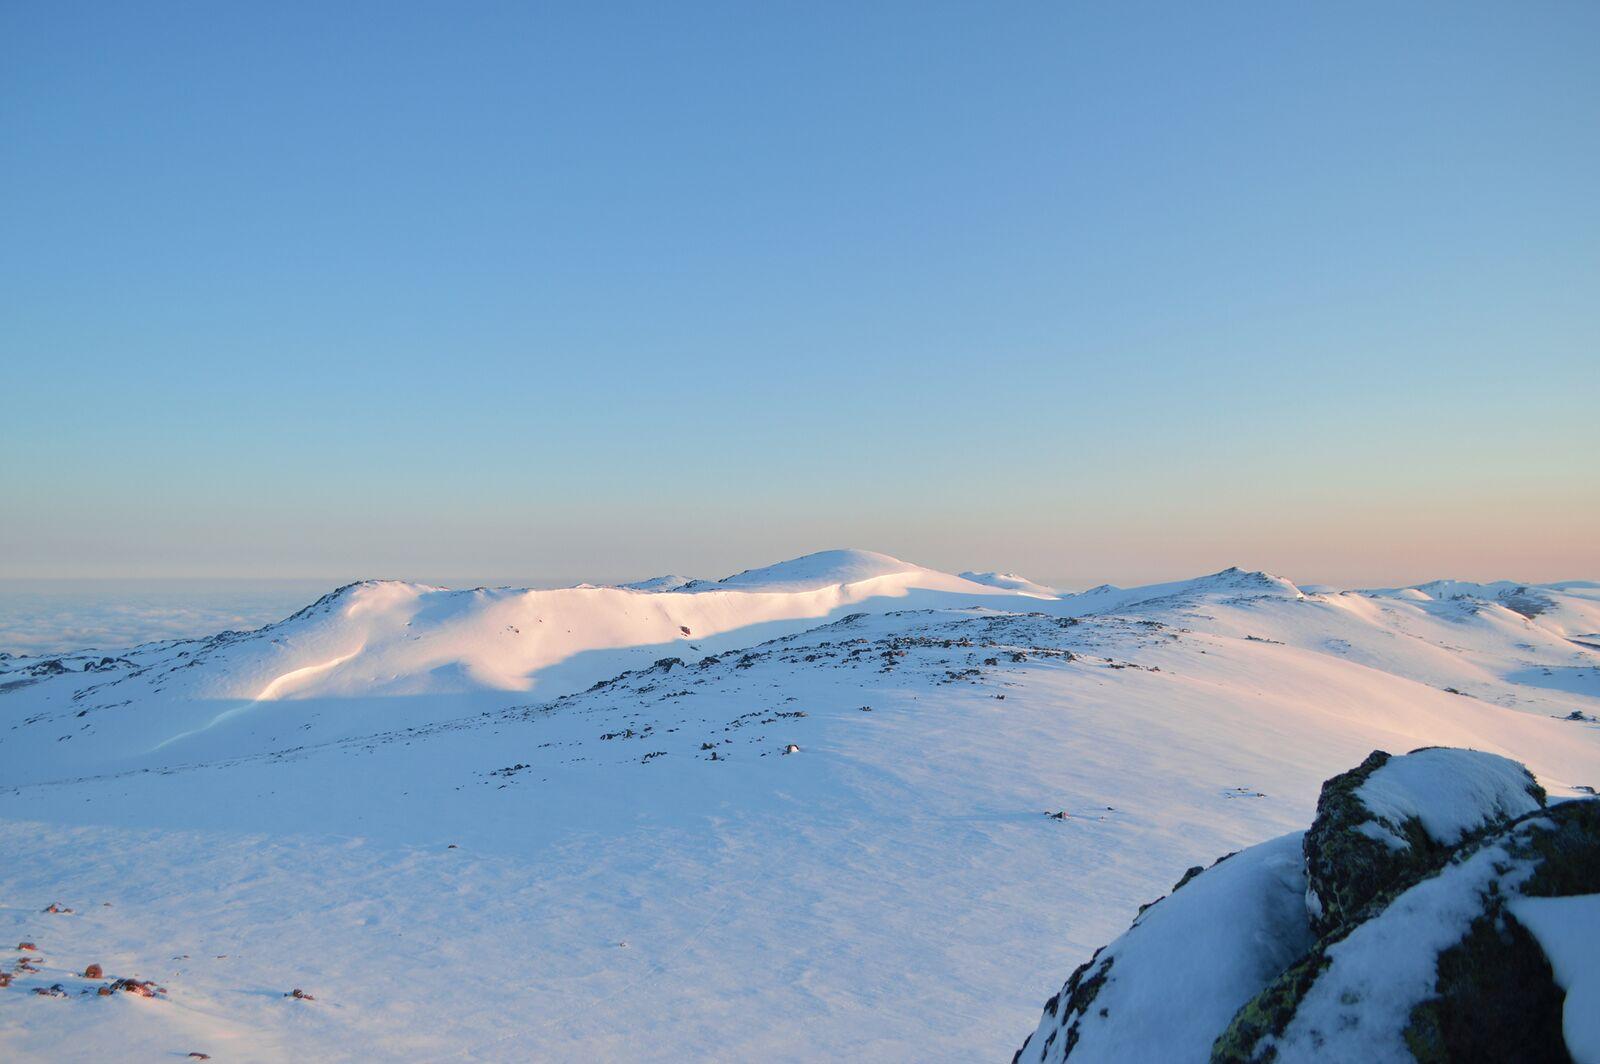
pixel 520 291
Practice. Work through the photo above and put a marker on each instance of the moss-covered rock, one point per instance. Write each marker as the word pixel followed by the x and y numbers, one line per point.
pixel 1345 868
pixel 1406 944
pixel 1071 1005
pixel 1568 853
pixel 1368 840
pixel 1497 999
pixel 1268 1013
pixel 1494 995
pixel 1163 989
pixel 1497 996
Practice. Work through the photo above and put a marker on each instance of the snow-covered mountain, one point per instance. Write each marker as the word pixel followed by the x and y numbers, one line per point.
pixel 1012 582
pixel 795 813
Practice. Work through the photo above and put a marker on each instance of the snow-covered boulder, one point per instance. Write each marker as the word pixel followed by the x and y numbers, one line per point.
pixel 1452 917
pixel 1190 961
pixel 1449 969
pixel 1392 819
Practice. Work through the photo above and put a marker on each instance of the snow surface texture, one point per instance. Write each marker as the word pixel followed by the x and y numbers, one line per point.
pixel 502 824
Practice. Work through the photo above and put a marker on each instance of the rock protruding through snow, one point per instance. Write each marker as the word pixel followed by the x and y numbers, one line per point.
pixel 1393 818
pixel 1427 867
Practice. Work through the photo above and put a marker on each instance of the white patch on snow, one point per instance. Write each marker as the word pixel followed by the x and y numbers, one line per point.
pixel 291 680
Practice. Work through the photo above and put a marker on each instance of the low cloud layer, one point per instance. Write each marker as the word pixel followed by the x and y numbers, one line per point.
pixel 47 617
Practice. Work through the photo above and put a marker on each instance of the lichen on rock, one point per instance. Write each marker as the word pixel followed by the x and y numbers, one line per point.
pixel 1438 969
pixel 1388 931
pixel 1164 987
pixel 1390 820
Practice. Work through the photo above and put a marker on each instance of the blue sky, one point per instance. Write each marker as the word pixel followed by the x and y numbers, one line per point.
pixel 527 291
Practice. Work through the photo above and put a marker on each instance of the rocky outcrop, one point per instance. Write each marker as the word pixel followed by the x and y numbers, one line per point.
pixel 1191 958
pixel 1440 970
pixel 1391 820
pixel 1425 932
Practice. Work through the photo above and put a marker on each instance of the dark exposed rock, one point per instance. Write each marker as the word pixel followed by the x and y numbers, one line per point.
pixel 1081 989
pixel 1497 1000
pixel 137 987
pixel 1495 997
pixel 1443 840
pixel 1344 868
pixel 1354 853
pixel 1241 921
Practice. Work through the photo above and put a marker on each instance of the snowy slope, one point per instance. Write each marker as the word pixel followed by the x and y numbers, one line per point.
pixel 668 582
pixel 822 569
pixel 1012 582
pixel 277 809
pixel 1190 961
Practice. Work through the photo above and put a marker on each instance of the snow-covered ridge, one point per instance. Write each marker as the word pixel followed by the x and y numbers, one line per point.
pixel 663 812
pixel 386 637
pixel 823 569
pixel 389 638
pixel 668 582
pixel 1013 582
pixel 1232 583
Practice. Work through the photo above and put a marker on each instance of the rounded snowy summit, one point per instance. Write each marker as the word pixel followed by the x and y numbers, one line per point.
pixel 822 569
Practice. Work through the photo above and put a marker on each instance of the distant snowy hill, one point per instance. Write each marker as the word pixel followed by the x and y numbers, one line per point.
pixel 659 583
pixel 824 569
pixel 796 813
pixel 1012 582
